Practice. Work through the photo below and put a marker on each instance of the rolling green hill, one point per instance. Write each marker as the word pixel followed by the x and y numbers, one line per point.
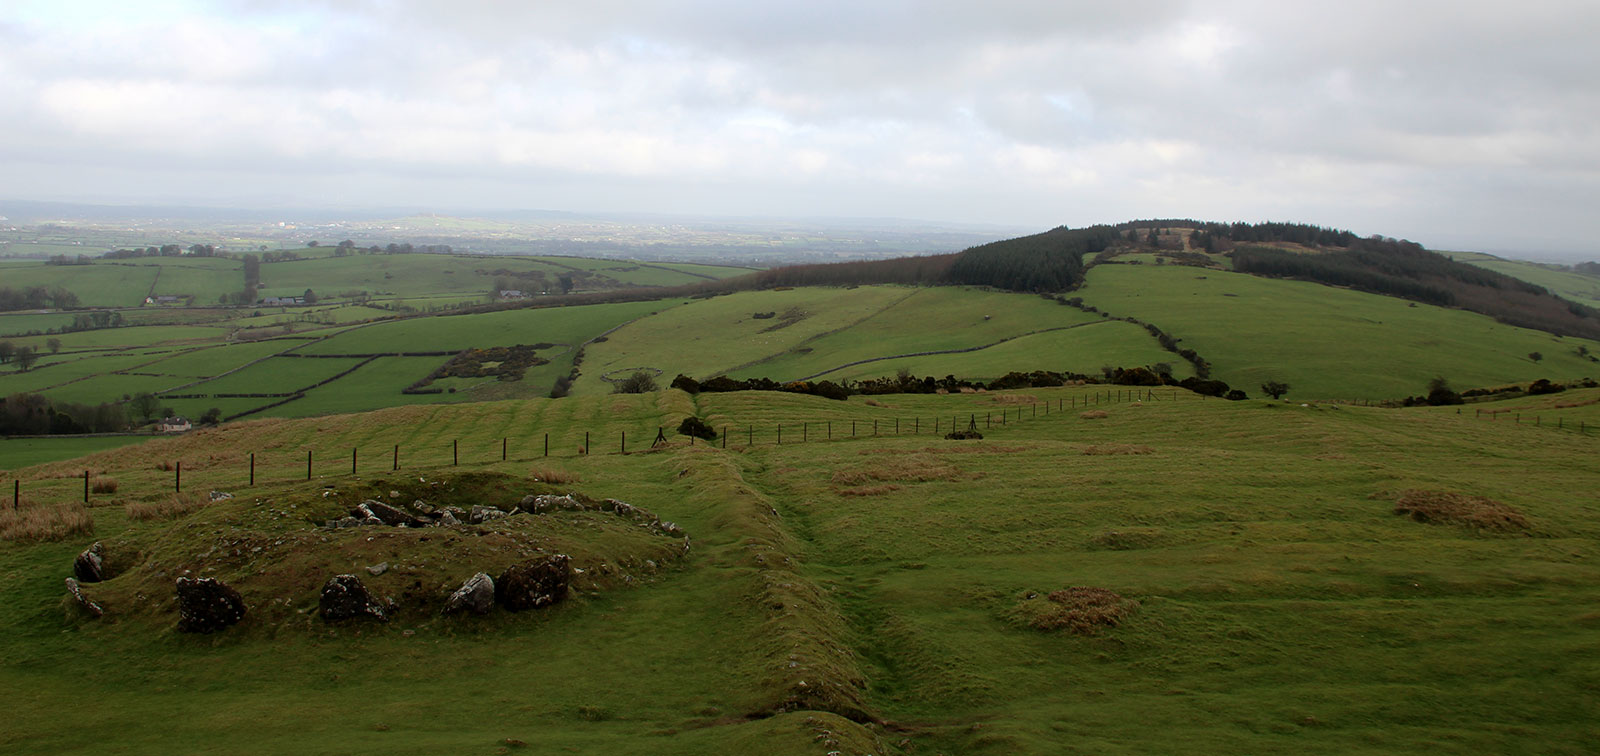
pixel 1243 583
pixel 1566 284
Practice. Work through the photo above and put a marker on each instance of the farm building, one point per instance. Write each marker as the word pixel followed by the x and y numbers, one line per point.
pixel 174 425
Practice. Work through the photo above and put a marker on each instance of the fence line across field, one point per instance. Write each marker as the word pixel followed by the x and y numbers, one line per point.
pixel 989 420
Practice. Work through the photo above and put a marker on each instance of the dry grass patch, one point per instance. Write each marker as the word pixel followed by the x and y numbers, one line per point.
pixel 1112 449
pixel 553 476
pixel 1013 399
pixel 1444 507
pixel 44 522
pixel 909 469
pixel 878 490
pixel 176 505
pixel 1078 609
pixel 1094 414
pixel 103 485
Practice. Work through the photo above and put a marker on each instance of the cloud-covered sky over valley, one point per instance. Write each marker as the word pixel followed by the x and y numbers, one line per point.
pixel 1459 124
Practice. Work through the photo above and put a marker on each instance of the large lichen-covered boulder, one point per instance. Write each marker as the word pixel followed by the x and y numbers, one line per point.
pixel 206 605
pixel 344 597
pixel 373 509
pixel 476 596
pixel 90 566
pixel 534 584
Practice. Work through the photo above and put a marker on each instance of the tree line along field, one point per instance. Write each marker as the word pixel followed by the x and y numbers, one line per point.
pixel 866 594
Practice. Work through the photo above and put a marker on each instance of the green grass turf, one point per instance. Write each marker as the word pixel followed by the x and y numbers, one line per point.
pixel 560 325
pixel 19 324
pixel 26 452
pixel 945 318
pixel 1283 607
pixel 276 375
pixel 1327 342
pixel 1084 349
pixel 714 336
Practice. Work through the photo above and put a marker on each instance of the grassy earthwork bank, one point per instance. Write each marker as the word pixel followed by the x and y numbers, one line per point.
pixel 865 586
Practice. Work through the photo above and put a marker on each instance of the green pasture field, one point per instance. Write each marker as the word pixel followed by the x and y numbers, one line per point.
pixel 1574 286
pixel 26 452
pixel 931 319
pixel 127 336
pixel 408 276
pixel 17 324
pixel 1281 605
pixel 215 360
pixel 101 284
pixel 336 315
pixel 110 387
pixel 61 369
pixel 1081 349
pixel 276 375
pixel 714 336
pixel 372 386
pixel 194 409
pixel 1327 342
pixel 559 325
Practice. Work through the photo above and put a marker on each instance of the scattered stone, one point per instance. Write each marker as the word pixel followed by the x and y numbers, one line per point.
pixel 206 605
pixel 534 584
pixel 91 607
pixel 544 503
pixel 344 597
pixel 90 565
pixel 447 519
pixel 220 495
pixel 393 494
pixel 378 569
pixel 423 508
pixel 386 514
pixel 481 514
pixel 345 522
pixel 476 596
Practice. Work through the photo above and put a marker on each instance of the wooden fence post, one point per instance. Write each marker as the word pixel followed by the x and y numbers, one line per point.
pixel 503 448
pixel 16 494
pixel 352 460
pixel 455 452
pixel 252 468
pixel 177 477
pixel 396 456
pixel 586 442
pixel 780 434
pixel 624 442
pixel 308 464
pixel 547 444
pixel 86 486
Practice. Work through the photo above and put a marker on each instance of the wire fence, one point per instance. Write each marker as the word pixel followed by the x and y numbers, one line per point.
pixel 247 470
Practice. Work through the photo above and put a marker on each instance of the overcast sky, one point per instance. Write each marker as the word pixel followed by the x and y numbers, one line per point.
pixel 1466 125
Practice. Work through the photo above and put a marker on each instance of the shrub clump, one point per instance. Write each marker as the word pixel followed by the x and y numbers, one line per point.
pixel 1444 507
pixel 694 426
pixel 639 383
pixel 963 435
pixel 1082 610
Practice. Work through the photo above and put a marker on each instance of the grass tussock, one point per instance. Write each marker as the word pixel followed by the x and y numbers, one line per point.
pixel 553 476
pixel 164 466
pixel 103 485
pixel 1083 610
pixel 878 490
pixel 1094 414
pixel 1447 508
pixel 1013 399
pixel 176 505
pixel 1115 449
pixel 911 469
pixel 874 403
pixel 32 522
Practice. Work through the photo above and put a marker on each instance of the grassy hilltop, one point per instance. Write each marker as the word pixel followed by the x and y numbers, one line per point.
pixel 861 594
